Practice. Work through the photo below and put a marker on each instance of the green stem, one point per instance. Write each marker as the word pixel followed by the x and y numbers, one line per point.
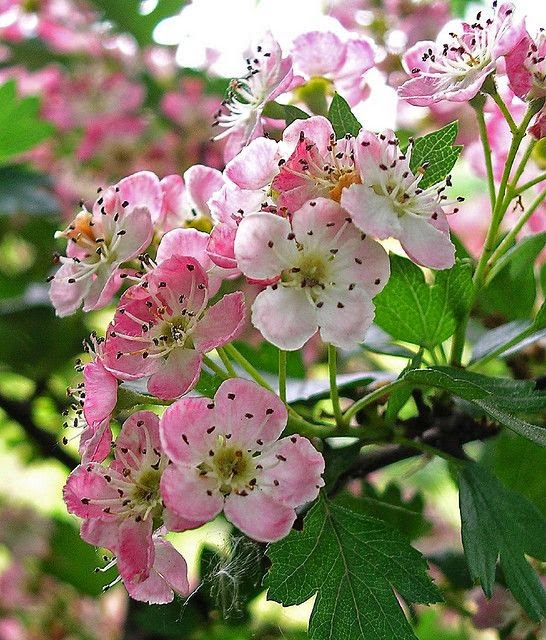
pixel 508 240
pixel 334 394
pixel 531 183
pixel 487 153
pixel 505 111
pixel 214 367
pixel 282 375
pixel 499 210
pixel 371 397
pixel 521 167
pixel 245 364
pixel 226 362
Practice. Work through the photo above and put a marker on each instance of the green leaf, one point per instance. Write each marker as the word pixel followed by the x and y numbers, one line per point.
pixel 354 563
pixel 338 459
pixel 342 118
pixel 24 191
pixel 265 357
pixel 436 152
pixel 128 17
pixel 287 112
pixel 500 398
pixel 520 256
pixel 378 341
pixel 498 522
pixel 411 310
pixel 20 124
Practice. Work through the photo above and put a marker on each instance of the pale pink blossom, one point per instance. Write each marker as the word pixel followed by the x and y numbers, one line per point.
pixel 455 67
pixel 526 67
pixel 390 203
pixel 324 272
pixel 227 456
pixel 117 230
pixel 186 198
pixel 320 165
pixel 343 62
pixel 121 504
pixel 269 75
pixel 162 327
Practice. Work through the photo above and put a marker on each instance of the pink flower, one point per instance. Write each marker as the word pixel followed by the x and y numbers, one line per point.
pixel 454 69
pixel 185 199
pixel 324 273
pixel 162 327
pixel 389 202
pixel 117 230
pixel 526 67
pixel 193 244
pixel 121 504
pixel 324 54
pixel 538 128
pixel 319 166
pixel 226 456
pixel 269 75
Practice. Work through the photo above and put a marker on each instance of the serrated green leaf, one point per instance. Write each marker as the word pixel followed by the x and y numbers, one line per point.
pixel 287 112
pixel 342 118
pixel 436 152
pixel 354 563
pixel 20 124
pixel 500 398
pixel 411 310
pixel 497 522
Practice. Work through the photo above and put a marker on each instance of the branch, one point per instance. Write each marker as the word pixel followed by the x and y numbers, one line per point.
pixel 46 443
pixel 446 433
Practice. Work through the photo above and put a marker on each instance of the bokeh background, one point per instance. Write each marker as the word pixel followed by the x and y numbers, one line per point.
pixel 91 92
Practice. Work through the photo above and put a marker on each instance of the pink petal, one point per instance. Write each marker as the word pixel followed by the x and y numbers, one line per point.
pixel 139 433
pixel 259 516
pixel 344 317
pixel 255 166
pixel 296 479
pixel 101 392
pixel 425 244
pixel 318 53
pixel 262 247
pixel 84 485
pixel 101 533
pixel 66 296
pixel 222 323
pixel 137 225
pixel 372 213
pixel 201 183
pixel 183 429
pixel 249 412
pixel 176 375
pixel 284 317
pixel 96 442
pixel 519 76
pixel 220 246
pixel 142 189
pixel 171 566
pixel 317 128
pixel 136 551
pixel 185 494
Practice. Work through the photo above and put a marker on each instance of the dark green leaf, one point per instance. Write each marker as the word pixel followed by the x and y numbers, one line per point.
pixel 498 522
pixel 208 383
pixel 24 191
pixel 265 357
pixel 411 310
pixel 287 112
pixel 312 390
pixel 521 255
pixel 500 398
pixel 354 563
pixel 20 124
pixel 454 567
pixel 378 341
pixel 342 118
pixel 338 459
pixel 436 152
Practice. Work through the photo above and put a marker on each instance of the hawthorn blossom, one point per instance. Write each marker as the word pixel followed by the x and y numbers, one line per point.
pixel 162 327
pixel 269 75
pixel 325 55
pixel 526 67
pixel 185 198
pixel 99 241
pixel 121 504
pixel 226 456
pixel 455 67
pixel 324 273
pixel 319 166
pixel 390 203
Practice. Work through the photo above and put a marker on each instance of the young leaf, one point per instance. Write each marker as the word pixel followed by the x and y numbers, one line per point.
pixel 354 563
pixel 287 112
pixel 411 310
pixel 436 152
pixel 498 522
pixel 342 118
pixel 20 124
pixel 500 398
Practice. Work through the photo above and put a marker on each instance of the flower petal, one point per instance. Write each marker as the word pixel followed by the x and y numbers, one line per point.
pixel 135 551
pixel 259 516
pixel 221 323
pixel 176 375
pixel 425 244
pixel 372 213
pixel 344 317
pixel 255 165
